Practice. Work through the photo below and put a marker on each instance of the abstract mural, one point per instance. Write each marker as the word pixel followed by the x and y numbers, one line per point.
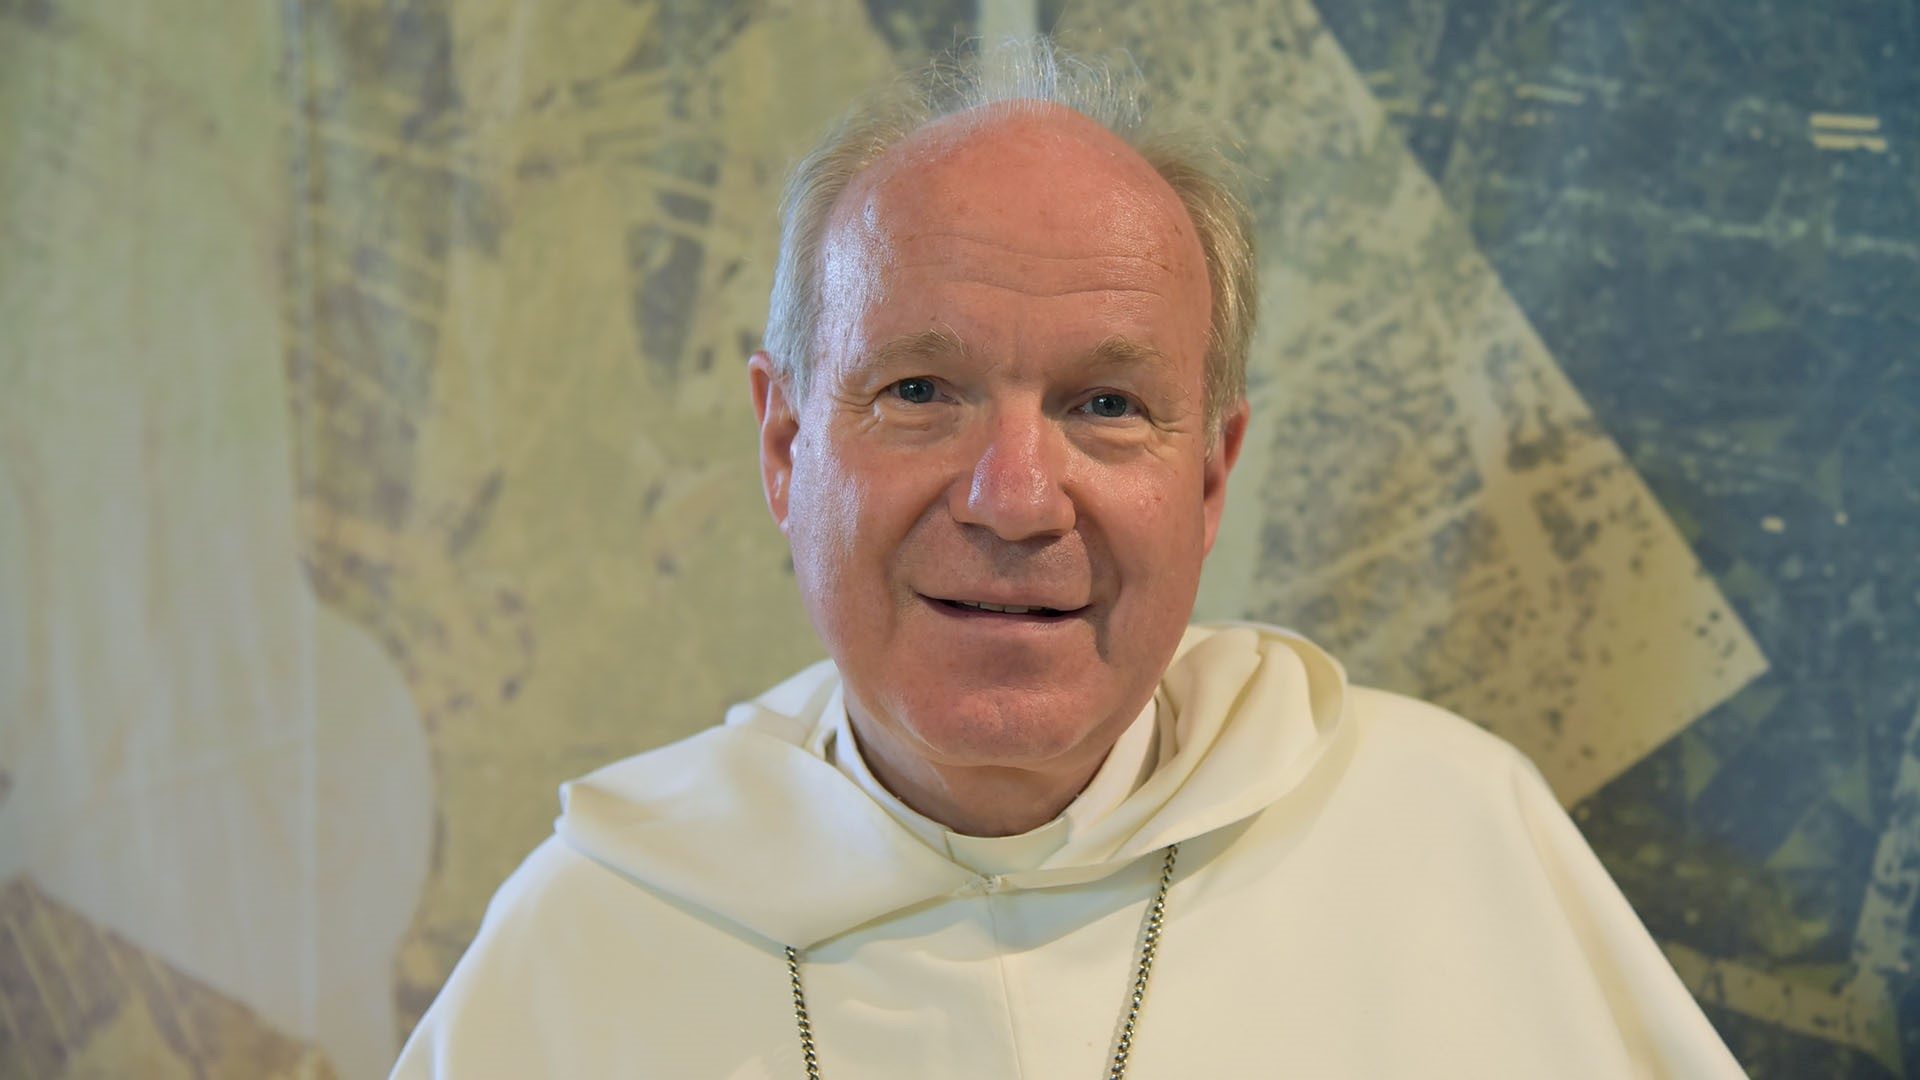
pixel 375 455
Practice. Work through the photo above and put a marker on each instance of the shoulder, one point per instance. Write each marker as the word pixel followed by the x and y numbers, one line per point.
pixel 552 914
pixel 483 1020
pixel 1409 753
pixel 553 881
pixel 568 953
pixel 1401 730
pixel 1390 728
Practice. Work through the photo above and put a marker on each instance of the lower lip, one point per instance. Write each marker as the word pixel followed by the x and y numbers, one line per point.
pixel 1001 619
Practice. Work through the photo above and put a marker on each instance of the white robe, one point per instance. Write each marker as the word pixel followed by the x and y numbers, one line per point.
pixel 1367 887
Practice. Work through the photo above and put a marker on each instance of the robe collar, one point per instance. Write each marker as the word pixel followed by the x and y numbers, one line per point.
pixel 1126 766
pixel 751 822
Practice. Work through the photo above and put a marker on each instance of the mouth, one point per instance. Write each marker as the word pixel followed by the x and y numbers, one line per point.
pixel 981 609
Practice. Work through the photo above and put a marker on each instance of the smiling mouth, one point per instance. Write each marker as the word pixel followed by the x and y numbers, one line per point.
pixel 1016 610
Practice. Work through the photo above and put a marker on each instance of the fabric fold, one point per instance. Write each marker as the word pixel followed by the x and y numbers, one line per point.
pixel 1251 709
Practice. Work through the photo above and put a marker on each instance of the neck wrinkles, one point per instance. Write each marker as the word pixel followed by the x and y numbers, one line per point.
pixel 1126 766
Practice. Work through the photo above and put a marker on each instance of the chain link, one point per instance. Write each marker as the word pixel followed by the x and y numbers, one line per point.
pixel 1149 944
pixel 1137 995
pixel 800 1014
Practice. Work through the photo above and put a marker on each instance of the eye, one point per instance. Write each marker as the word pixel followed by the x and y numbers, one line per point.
pixel 915 391
pixel 1110 406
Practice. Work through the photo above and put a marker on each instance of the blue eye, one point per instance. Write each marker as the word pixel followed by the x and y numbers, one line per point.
pixel 915 391
pixel 1110 406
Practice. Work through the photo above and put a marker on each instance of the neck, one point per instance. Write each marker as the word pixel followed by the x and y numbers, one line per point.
pixel 978 800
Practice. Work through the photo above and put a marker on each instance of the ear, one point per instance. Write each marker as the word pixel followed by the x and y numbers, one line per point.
pixel 1220 461
pixel 779 424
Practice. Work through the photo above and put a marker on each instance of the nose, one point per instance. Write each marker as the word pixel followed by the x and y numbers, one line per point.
pixel 1018 485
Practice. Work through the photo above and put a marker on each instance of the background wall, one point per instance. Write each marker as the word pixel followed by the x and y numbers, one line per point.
pixel 375 454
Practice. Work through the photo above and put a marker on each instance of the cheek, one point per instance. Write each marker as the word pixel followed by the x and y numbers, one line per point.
pixel 822 517
pixel 840 527
pixel 1157 532
pixel 1156 510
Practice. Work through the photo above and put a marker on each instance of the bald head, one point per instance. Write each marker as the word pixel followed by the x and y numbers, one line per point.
pixel 1067 135
pixel 1024 199
pixel 1031 167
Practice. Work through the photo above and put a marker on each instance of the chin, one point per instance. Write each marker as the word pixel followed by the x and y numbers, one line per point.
pixel 1012 729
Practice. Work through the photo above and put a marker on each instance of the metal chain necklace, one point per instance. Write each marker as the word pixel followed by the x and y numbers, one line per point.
pixel 1123 1043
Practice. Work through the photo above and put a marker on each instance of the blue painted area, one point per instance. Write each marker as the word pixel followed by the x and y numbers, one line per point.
pixel 1741 308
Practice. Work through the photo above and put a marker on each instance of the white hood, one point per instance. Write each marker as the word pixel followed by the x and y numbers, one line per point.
pixel 1253 709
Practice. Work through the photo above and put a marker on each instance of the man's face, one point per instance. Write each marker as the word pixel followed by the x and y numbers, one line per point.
pixel 1007 408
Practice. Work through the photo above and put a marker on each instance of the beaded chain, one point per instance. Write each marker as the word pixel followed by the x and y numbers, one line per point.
pixel 1123 1045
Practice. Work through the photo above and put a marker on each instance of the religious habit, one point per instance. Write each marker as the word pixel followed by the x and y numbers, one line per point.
pixel 1361 886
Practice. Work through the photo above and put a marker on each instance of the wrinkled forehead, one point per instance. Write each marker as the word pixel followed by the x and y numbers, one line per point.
pixel 1037 182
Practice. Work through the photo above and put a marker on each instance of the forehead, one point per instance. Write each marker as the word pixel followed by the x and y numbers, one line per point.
pixel 1004 213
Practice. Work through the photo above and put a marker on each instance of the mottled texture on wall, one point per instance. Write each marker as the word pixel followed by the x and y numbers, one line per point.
pixel 1712 216
pixel 376 455
pixel 1739 293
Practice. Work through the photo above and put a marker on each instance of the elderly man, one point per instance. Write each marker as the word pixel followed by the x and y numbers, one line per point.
pixel 1027 822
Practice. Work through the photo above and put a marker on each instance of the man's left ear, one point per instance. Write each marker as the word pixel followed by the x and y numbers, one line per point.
pixel 779 426
pixel 1220 461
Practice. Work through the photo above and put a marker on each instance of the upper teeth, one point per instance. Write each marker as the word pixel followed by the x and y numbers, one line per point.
pixel 1009 609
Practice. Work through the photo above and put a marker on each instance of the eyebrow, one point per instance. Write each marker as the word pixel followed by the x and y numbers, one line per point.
pixel 1114 352
pixel 1125 352
pixel 926 344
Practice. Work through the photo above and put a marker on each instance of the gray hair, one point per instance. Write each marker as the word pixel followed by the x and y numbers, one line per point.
pixel 1016 73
